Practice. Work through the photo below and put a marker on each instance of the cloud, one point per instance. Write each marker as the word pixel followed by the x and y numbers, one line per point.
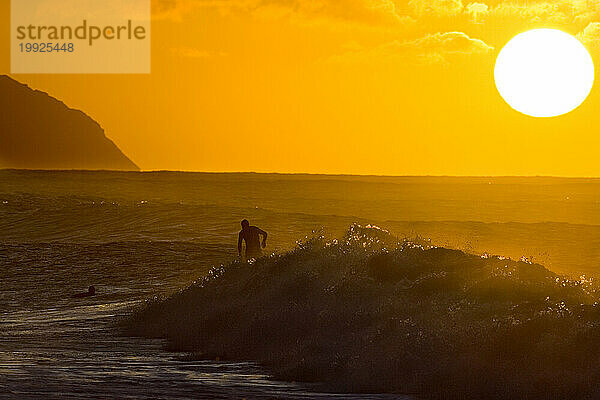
pixel 449 43
pixel 370 12
pixel 438 48
pixel 336 14
pixel 388 13
pixel 538 12
pixel 590 36
pixel 436 7
pixel 544 11
pixel 476 10
pixel 400 18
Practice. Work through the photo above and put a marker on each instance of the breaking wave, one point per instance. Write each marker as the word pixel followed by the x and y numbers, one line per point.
pixel 372 313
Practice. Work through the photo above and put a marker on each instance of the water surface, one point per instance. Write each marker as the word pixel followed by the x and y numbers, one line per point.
pixel 135 236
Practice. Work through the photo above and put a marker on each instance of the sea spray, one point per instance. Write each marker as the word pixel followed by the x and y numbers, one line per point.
pixel 370 312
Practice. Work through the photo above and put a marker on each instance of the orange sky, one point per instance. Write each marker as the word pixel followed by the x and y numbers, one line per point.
pixel 330 86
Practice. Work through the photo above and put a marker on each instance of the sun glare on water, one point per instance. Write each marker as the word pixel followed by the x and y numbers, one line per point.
pixel 544 73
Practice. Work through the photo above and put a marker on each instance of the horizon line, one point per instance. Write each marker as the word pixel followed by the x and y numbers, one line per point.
pixel 150 171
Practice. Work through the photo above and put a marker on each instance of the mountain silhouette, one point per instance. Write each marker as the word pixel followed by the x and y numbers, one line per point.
pixel 38 131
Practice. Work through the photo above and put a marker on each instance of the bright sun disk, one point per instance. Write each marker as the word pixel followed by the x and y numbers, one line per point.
pixel 544 73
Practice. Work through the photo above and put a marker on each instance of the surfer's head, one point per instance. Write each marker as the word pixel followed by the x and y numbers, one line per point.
pixel 245 224
pixel 92 290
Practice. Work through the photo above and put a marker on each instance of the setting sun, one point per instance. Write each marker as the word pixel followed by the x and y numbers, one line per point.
pixel 544 73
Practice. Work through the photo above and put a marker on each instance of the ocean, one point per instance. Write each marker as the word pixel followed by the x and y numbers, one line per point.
pixel 137 236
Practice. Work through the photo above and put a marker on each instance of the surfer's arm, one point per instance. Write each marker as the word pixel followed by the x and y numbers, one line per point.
pixel 264 235
pixel 240 244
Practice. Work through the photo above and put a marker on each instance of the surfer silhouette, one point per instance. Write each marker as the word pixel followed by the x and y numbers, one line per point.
pixel 91 292
pixel 251 235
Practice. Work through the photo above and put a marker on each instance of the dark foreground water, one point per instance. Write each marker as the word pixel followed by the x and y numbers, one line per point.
pixel 135 236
